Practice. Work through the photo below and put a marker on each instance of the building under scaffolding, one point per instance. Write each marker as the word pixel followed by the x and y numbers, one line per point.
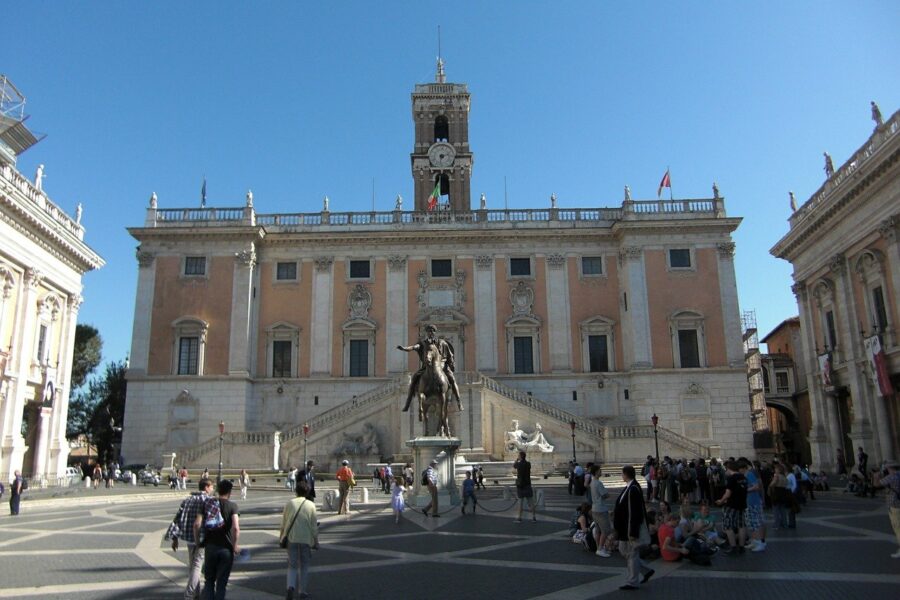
pixel 15 136
pixel 753 358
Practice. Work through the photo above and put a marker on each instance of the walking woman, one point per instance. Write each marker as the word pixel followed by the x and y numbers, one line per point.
pixel 245 483
pixel 781 497
pixel 299 526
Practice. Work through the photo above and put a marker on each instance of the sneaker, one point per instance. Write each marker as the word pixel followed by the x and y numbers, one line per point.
pixel 648 575
pixel 628 586
pixel 435 515
pixel 518 521
pixel 603 552
pixel 759 547
pixel 290 594
pixel 425 512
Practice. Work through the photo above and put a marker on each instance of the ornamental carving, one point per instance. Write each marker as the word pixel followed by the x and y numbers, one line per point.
pixel 396 262
pixel 799 291
pixel 695 389
pixel 444 296
pixel 323 263
pixel 359 301
pixel 556 261
pixel 74 302
pixel 522 299
pixel 888 229
pixel 7 281
pixel 837 264
pixel 33 277
pixel 145 259
pixel 246 258
pixel 627 253
pixel 484 261
pixel 726 249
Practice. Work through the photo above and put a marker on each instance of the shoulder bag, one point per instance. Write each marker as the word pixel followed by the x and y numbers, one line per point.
pixel 283 543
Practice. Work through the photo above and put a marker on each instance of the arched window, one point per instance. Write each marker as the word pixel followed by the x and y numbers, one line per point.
pixel 441 129
pixel 190 345
pixel 688 339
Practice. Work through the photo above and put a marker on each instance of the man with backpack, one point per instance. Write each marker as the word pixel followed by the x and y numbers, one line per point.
pixel 217 527
pixel 182 527
pixel 429 479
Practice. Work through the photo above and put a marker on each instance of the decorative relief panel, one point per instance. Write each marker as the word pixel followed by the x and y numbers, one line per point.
pixel 522 299
pixel 323 263
pixel 360 301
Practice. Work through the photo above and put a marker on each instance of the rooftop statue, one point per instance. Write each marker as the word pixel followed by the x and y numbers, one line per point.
pixel 829 166
pixel 876 115
pixel 793 202
pixel 39 178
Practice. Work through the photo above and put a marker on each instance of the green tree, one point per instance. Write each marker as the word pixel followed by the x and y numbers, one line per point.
pixel 98 411
pixel 86 354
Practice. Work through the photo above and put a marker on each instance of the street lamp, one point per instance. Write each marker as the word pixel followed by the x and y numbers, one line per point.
pixel 305 433
pixel 221 441
pixel 573 424
pixel 655 420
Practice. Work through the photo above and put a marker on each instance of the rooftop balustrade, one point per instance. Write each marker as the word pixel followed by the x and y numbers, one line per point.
pixel 38 200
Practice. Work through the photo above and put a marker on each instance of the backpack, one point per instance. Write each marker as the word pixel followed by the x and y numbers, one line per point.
pixel 588 541
pixel 212 519
pixel 24 484
pixel 425 480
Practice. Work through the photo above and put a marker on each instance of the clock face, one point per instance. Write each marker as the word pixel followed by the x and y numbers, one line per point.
pixel 441 155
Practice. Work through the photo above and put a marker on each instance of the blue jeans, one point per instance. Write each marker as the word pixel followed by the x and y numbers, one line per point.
pixel 303 553
pixel 216 571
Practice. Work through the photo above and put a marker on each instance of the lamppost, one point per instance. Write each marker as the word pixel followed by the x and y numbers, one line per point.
pixel 655 420
pixel 221 441
pixel 573 424
pixel 305 433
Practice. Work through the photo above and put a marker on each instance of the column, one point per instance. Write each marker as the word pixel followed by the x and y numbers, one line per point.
pixel 636 321
pixel 485 314
pixel 19 363
pixel 43 436
pixel 322 310
pixel 241 298
pixel 397 327
pixel 731 316
pixel 824 433
pixel 143 313
pixel 888 230
pixel 559 323
pixel 59 447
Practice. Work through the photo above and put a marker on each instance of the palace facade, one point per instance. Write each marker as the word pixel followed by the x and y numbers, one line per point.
pixel 581 323
pixel 843 245
pixel 42 260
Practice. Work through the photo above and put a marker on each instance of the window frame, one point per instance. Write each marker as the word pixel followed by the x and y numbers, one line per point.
pixel 600 259
pixel 523 326
pixel 431 262
pixel 276 271
pixel 691 257
pixel 193 348
pixel 684 320
pixel 509 264
pixel 369 277
pixel 282 331
pixel 187 327
pixel 364 345
pixel 184 266
pixel 598 326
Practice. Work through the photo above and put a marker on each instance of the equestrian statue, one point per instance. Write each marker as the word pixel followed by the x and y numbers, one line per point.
pixel 434 381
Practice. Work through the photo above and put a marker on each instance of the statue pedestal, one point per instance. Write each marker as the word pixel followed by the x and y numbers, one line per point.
pixel 443 450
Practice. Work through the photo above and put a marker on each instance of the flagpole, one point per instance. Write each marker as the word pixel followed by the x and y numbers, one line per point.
pixel 671 196
pixel 505 201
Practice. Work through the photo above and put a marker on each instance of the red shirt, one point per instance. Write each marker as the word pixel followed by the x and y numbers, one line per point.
pixel 665 531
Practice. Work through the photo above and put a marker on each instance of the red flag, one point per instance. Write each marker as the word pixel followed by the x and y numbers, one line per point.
pixel 665 183
pixel 433 199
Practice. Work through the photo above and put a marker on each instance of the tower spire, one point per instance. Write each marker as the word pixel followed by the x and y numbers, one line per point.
pixel 440 77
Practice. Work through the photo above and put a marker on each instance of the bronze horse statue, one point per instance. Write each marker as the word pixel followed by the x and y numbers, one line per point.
pixel 433 391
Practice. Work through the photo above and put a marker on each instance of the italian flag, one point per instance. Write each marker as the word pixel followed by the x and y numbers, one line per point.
pixel 665 183
pixel 433 199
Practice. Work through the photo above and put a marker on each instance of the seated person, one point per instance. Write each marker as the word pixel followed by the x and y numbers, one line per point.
pixel 669 548
pixel 582 522
pixel 706 524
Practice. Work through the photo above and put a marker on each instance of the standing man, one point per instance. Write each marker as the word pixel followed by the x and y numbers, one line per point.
pixel 309 477
pixel 386 480
pixel 430 480
pixel 862 463
pixel 645 473
pixel 183 527
pixel 523 485
pixel 221 544
pixel 892 482
pixel 345 480
pixel 15 493
pixel 600 512
pixel 570 475
pixel 735 501
pixel 630 520
pixel 753 514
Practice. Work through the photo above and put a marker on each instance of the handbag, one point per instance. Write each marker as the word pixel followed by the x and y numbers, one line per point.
pixel 283 542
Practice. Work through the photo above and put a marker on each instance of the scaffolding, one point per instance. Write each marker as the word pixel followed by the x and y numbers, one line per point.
pixel 14 134
pixel 753 358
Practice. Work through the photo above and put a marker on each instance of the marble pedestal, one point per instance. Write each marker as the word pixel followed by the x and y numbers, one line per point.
pixel 443 450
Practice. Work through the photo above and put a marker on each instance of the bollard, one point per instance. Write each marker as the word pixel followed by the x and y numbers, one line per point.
pixel 365 495
pixel 329 501
pixel 87 482
pixel 133 479
pixel 539 499
pixel 506 493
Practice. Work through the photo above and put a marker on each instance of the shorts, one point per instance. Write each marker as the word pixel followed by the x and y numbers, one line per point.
pixel 753 517
pixel 732 519
pixel 524 492
pixel 602 521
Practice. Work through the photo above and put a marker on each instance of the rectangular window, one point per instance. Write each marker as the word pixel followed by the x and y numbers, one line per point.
pixel 878 306
pixel 523 359
pixel 765 373
pixel 359 358
pixel 359 269
pixel 441 267
pixel 781 382
pixel 829 327
pixel 281 358
pixel 188 355
pixel 597 354
pixel 688 349
pixel 591 265
pixel 195 265
pixel 680 258
pixel 42 344
pixel 519 267
pixel 286 271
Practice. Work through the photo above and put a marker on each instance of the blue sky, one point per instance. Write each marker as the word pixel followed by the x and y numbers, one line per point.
pixel 298 100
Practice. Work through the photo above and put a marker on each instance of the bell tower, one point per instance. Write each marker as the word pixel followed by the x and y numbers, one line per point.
pixel 441 152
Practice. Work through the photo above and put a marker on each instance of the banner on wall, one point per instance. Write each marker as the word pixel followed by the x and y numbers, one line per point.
pixel 825 371
pixel 881 379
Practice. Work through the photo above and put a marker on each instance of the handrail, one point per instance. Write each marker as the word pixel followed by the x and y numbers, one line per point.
pixel 646 431
pixel 40 200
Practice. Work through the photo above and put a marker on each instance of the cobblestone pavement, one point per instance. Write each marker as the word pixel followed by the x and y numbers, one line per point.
pixel 108 545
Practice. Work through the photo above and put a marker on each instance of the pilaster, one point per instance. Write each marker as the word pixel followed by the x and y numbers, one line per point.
pixel 397 322
pixel 485 314
pixel 43 438
pixel 59 448
pixel 731 316
pixel 143 312
pixel 558 313
pixel 888 230
pixel 241 294
pixel 637 314
pixel 322 316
